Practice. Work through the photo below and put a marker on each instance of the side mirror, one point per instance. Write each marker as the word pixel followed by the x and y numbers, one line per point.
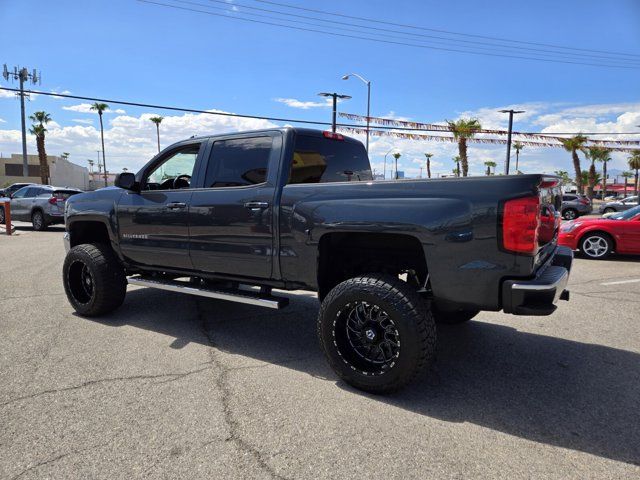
pixel 126 180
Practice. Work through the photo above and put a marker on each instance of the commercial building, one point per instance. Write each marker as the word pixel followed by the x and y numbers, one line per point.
pixel 63 173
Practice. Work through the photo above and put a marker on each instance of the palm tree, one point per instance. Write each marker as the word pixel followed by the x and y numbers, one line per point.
pixel 157 120
pixel 626 175
pixel 490 165
pixel 397 155
pixel 39 131
pixel 517 146
pixel 428 155
pixel 634 164
pixel 457 169
pixel 101 107
pixel 564 175
pixel 595 154
pixel 572 145
pixel 464 129
pixel 605 156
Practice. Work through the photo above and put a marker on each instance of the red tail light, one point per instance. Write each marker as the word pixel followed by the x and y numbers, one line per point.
pixel 520 225
pixel 333 136
pixel 584 201
pixel 53 201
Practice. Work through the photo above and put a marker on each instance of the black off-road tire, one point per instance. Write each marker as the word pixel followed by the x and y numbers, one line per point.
pixel 412 322
pixel 453 318
pixel 38 221
pixel 107 285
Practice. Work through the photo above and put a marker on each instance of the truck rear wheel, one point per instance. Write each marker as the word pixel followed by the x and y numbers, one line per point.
pixel 376 332
pixel 94 280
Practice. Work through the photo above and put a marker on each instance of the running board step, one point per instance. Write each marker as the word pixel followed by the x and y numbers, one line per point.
pixel 237 296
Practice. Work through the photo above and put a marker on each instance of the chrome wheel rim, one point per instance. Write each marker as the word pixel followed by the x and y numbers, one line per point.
pixel 366 338
pixel 595 246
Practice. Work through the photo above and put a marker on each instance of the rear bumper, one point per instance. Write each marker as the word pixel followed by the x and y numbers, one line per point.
pixel 538 296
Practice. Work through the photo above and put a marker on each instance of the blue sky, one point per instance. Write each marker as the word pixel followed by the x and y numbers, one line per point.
pixel 124 49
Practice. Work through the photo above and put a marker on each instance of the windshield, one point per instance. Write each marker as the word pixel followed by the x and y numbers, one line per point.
pixel 626 215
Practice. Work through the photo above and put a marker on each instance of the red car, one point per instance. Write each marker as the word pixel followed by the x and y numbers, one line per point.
pixel 598 237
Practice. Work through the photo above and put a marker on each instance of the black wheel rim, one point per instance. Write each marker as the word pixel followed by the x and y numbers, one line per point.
pixel 366 338
pixel 81 282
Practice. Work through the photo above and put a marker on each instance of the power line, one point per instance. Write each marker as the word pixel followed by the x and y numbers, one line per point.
pixel 377 40
pixel 449 32
pixel 272 119
pixel 432 38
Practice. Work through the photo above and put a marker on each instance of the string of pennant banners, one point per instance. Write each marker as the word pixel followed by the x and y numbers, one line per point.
pixel 544 138
pixel 451 139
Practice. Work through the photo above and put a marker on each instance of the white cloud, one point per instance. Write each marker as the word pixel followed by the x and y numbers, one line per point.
pixel 7 94
pixel 86 108
pixel 2 121
pixel 64 92
pixel 295 103
pixel 130 141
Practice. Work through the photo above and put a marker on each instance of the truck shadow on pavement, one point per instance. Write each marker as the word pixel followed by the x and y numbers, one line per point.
pixel 574 395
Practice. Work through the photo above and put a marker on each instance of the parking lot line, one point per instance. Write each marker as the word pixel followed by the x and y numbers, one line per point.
pixel 620 282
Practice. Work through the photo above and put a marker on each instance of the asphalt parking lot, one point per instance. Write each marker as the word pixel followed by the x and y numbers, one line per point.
pixel 172 386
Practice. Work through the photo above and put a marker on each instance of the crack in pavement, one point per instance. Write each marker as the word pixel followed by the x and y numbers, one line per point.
pixel 55 459
pixel 223 386
pixel 98 381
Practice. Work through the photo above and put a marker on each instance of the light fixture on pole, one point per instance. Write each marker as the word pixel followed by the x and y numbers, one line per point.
pixel 335 97
pixel 368 84
pixel 510 112
pixel 384 172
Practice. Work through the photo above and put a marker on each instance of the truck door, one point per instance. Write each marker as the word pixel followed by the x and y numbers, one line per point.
pixel 153 223
pixel 231 217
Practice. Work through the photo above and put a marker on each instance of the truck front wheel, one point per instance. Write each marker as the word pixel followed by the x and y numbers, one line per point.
pixel 376 332
pixel 94 280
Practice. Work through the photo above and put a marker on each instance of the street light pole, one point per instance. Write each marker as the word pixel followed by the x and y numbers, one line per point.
pixel 510 112
pixel 335 97
pixel 384 172
pixel 368 83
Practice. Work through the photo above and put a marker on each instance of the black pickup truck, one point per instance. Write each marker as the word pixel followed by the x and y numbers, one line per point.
pixel 234 216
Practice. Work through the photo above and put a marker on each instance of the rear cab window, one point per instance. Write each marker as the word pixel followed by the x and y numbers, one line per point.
pixel 323 160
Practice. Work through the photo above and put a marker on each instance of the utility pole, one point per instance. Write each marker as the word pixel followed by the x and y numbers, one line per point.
pixel 421 171
pixel 335 97
pixel 510 112
pixel 22 76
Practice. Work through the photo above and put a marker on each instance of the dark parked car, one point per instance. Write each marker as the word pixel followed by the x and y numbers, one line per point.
pixel 573 206
pixel 297 209
pixel 42 205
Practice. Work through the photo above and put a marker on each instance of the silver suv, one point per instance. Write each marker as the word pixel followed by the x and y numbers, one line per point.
pixel 42 205
pixel 574 205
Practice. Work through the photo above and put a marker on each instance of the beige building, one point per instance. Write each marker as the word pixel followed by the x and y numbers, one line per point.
pixel 63 172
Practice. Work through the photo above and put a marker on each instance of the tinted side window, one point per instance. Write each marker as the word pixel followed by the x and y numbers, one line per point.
pixel 321 160
pixel 20 193
pixel 238 162
pixel 32 192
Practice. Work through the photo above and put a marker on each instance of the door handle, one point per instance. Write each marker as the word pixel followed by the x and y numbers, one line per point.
pixel 256 204
pixel 176 205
